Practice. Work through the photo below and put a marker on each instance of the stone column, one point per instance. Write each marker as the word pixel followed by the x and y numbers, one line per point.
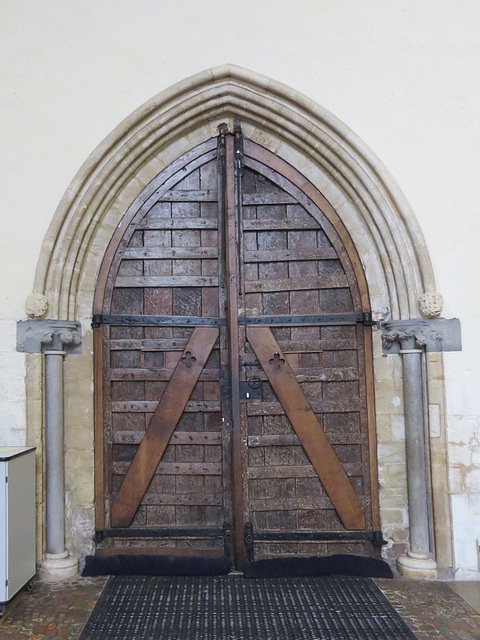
pixel 418 561
pixel 58 562
pixel 54 338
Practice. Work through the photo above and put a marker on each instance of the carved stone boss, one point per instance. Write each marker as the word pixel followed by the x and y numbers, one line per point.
pixel 53 338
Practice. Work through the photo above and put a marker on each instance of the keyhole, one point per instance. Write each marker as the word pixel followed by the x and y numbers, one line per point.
pixel 189 360
pixel 276 361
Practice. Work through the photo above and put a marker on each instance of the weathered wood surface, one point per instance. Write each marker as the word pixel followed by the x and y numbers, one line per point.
pixel 296 284
pixel 162 425
pixel 170 253
pixel 153 223
pixel 292 224
pixel 181 437
pixel 309 431
pixel 282 255
pixel 149 406
pixel 166 281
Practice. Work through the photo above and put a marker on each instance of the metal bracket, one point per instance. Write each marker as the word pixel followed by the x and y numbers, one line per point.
pixel 251 389
pixel 99 536
pixel 227 541
pixel 378 539
pixel 239 156
pixel 97 320
pixel 367 319
pixel 249 540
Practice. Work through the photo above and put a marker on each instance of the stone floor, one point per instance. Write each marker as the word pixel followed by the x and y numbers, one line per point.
pixel 433 610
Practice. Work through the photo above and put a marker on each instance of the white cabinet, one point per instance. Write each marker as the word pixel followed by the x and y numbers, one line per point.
pixel 17 520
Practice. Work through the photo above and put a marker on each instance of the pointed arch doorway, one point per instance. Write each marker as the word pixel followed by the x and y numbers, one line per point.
pixel 234 411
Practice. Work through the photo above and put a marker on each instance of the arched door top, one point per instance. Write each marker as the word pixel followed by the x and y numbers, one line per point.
pixel 372 208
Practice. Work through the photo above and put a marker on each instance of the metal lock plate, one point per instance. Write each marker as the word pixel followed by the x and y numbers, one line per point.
pixel 251 389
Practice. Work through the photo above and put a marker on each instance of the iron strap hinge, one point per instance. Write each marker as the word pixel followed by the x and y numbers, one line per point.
pixel 97 320
pixel 165 321
pixel 364 318
pixel 335 318
pixel 367 319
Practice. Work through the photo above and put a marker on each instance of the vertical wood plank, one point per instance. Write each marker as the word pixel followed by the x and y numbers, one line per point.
pixel 233 346
pixel 99 428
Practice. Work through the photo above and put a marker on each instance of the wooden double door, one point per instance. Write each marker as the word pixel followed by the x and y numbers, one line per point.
pixel 233 367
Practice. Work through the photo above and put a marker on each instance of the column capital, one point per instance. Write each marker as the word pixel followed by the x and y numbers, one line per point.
pixel 40 336
pixel 431 334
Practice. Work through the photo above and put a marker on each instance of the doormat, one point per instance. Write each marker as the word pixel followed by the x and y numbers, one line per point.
pixel 233 608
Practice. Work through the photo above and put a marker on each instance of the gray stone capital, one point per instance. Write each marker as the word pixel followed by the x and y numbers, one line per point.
pixel 40 336
pixel 431 334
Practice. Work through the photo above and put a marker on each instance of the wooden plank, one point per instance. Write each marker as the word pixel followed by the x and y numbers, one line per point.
pixel 177 223
pixel 286 255
pixel 158 373
pixel 307 427
pixel 366 333
pixel 232 280
pixel 301 471
pixel 290 504
pixel 192 406
pixel 287 224
pixel 330 374
pixel 190 195
pixel 316 346
pixel 275 197
pixel 170 253
pixel 180 438
pixel 98 342
pixel 319 406
pixel 184 499
pixel 331 281
pixel 273 440
pixel 162 425
pixel 165 281
pixel 169 469
pixel 318 374
pixel 285 440
pixel 160 344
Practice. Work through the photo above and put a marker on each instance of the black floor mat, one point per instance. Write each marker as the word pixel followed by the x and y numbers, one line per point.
pixel 232 608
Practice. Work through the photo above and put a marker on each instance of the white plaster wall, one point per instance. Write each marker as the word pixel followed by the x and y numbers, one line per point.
pixel 404 75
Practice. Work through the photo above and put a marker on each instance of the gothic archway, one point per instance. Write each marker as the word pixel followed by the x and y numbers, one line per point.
pixel 374 212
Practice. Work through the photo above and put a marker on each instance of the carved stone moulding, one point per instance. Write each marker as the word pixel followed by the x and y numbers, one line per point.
pixel 39 336
pixel 431 334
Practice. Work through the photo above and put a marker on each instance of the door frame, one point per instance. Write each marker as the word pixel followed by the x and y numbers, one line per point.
pixel 380 221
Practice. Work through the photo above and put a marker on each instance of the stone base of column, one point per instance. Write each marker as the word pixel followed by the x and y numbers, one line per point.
pixel 59 566
pixel 417 565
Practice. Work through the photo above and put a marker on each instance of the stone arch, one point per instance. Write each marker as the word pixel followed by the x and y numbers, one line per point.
pixel 378 218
